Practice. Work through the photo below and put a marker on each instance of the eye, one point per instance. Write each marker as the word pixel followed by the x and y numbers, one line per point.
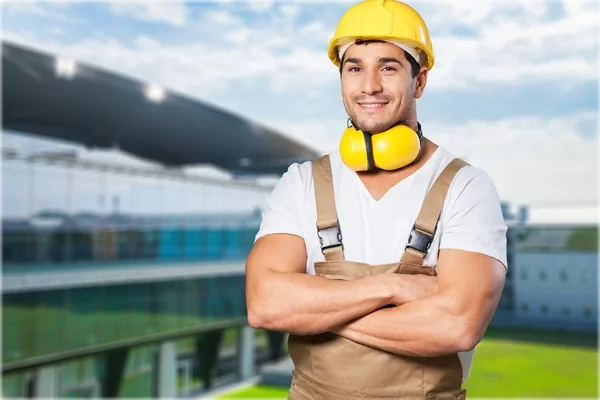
pixel 389 69
pixel 353 69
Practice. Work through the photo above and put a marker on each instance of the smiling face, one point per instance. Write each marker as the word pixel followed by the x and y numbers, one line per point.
pixel 378 88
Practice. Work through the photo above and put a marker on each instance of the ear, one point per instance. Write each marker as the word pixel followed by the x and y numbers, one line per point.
pixel 421 82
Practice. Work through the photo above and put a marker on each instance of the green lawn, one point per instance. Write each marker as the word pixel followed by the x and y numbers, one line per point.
pixel 257 392
pixel 504 368
pixel 521 363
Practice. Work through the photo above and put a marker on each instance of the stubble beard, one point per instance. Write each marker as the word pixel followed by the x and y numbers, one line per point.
pixel 369 125
pixel 372 126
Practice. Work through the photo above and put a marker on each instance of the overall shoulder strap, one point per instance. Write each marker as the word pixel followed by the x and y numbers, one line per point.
pixel 423 231
pixel 328 228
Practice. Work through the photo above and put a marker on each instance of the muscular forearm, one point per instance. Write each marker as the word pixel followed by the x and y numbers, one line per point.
pixel 428 327
pixel 453 319
pixel 303 304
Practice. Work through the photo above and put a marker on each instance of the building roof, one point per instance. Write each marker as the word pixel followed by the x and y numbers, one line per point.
pixel 101 109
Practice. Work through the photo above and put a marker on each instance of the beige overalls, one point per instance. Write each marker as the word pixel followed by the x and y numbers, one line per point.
pixel 328 366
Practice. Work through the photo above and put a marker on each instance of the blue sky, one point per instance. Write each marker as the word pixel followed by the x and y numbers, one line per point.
pixel 514 89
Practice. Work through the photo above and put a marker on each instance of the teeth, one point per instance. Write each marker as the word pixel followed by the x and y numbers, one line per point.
pixel 373 105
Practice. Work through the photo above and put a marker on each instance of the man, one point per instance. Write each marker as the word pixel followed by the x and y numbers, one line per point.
pixel 385 259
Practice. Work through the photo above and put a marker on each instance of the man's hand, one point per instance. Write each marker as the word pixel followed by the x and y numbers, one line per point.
pixel 405 288
pixel 413 287
pixel 280 296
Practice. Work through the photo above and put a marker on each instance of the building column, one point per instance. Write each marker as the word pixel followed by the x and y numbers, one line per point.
pixel 113 372
pixel 46 382
pixel 245 352
pixel 208 345
pixel 167 370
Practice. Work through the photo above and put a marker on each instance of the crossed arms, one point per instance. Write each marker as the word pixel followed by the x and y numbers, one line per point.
pixel 432 316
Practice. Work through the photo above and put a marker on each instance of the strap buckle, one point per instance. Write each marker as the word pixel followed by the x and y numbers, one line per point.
pixel 419 241
pixel 330 237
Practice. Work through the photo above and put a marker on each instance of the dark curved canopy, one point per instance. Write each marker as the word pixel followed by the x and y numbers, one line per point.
pixel 101 109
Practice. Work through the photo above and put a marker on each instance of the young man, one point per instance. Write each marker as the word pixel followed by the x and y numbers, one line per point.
pixel 385 259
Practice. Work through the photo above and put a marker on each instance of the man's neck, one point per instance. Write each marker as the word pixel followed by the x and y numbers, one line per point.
pixel 378 182
pixel 427 150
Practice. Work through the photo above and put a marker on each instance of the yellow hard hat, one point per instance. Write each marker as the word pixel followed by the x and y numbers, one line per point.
pixel 383 20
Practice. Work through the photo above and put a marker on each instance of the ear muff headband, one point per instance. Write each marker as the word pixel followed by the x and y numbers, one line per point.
pixel 369 150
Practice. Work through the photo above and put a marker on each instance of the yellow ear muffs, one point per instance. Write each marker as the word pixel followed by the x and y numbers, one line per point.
pixel 356 149
pixel 395 148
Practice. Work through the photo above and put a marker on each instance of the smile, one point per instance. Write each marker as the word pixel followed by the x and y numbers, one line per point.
pixel 372 106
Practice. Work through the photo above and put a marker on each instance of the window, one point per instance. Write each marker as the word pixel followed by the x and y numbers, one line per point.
pixel 586 274
pixel 523 275
pixel 563 275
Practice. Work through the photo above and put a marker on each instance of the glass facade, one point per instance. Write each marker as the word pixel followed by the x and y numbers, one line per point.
pixel 124 240
pixel 50 322
pixel 61 213
pixel 87 377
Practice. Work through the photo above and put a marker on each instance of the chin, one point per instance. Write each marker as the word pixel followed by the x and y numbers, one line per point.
pixel 374 128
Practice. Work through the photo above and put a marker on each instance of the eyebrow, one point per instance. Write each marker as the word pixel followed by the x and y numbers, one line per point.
pixel 353 60
pixel 382 60
pixel 386 60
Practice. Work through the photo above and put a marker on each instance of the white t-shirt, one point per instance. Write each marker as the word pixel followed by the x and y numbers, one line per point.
pixel 376 232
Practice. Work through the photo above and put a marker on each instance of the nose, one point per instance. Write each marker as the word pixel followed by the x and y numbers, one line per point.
pixel 371 82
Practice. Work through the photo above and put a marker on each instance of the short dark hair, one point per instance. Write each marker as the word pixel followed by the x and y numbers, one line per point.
pixel 414 64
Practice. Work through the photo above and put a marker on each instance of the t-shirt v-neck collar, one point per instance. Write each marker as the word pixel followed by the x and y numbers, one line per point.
pixel 403 184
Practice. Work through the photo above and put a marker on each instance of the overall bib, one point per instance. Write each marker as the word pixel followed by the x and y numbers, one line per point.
pixel 328 366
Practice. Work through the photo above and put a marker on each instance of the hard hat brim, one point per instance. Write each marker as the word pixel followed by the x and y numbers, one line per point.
pixel 428 60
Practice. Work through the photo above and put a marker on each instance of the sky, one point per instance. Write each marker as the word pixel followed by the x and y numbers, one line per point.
pixel 514 89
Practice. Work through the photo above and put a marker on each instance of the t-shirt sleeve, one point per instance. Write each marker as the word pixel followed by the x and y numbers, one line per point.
pixel 474 220
pixel 284 208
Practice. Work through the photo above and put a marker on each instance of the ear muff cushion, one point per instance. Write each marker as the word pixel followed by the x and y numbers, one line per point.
pixel 353 149
pixel 396 147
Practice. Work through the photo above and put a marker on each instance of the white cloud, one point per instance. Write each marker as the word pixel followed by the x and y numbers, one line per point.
pixel 260 6
pixel 25 8
pixel 531 159
pixel 290 11
pixel 55 10
pixel 315 31
pixel 173 13
pixel 202 68
pixel 221 17
pixel 513 43
pixel 320 134
pixel 240 36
